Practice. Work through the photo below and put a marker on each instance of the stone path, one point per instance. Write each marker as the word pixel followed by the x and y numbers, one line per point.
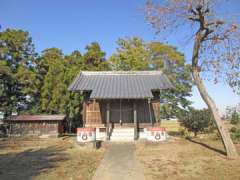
pixel 120 163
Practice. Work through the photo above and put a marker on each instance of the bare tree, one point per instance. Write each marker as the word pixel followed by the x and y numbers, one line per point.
pixel 216 48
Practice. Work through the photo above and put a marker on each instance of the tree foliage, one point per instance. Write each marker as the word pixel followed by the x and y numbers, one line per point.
pixel 16 57
pixel 37 84
pixel 233 114
pixel 172 63
pixel 196 120
pixel 53 85
pixel 95 58
pixel 132 54
pixel 135 54
pixel 235 117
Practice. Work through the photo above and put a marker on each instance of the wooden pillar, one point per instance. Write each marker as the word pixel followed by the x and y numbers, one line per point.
pixel 108 121
pixel 94 120
pixel 84 112
pixel 150 111
pixel 160 120
pixel 135 120
pixel 120 114
pixel 156 110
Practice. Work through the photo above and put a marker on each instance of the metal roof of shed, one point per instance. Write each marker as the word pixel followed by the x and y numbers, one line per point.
pixel 120 84
pixel 36 118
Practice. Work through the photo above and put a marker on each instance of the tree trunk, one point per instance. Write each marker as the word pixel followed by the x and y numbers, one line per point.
pixel 225 136
pixel 227 141
pixel 195 133
pixel 69 126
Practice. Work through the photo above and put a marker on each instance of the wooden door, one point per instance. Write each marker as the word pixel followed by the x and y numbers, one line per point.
pixel 121 110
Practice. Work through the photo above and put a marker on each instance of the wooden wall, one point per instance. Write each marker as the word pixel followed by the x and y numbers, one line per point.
pixel 36 128
pixel 95 113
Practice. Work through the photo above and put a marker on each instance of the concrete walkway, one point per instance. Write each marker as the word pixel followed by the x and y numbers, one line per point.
pixel 119 163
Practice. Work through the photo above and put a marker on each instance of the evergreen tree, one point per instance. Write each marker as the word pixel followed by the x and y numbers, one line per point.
pixel 94 58
pixel 135 54
pixel 54 88
pixel 16 61
pixel 196 120
pixel 132 54
pixel 172 63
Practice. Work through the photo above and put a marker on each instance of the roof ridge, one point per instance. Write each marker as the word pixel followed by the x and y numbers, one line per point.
pixel 121 72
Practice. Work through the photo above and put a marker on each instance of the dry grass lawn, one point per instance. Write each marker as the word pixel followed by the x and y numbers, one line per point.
pixel 183 159
pixel 47 159
pixel 171 125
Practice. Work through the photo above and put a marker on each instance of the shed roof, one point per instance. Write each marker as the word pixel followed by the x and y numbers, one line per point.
pixel 36 118
pixel 120 84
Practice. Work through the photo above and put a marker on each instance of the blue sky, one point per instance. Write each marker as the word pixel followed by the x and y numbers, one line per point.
pixel 72 24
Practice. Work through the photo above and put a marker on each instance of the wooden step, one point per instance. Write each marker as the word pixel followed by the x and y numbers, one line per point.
pixel 122 134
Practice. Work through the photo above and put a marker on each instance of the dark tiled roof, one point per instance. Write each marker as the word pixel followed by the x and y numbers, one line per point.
pixel 36 118
pixel 120 84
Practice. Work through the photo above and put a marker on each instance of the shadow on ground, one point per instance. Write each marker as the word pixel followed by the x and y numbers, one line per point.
pixel 174 133
pixel 27 164
pixel 207 146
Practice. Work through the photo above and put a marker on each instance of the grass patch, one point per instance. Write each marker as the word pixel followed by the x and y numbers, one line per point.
pixel 53 158
pixel 184 159
pixel 172 126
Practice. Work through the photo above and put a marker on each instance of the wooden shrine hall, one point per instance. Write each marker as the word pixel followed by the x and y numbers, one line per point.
pixel 120 98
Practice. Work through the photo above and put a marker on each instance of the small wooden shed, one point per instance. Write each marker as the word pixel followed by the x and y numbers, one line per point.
pixel 121 98
pixel 35 125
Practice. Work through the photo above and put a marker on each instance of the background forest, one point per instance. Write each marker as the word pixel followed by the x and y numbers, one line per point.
pixel 32 83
